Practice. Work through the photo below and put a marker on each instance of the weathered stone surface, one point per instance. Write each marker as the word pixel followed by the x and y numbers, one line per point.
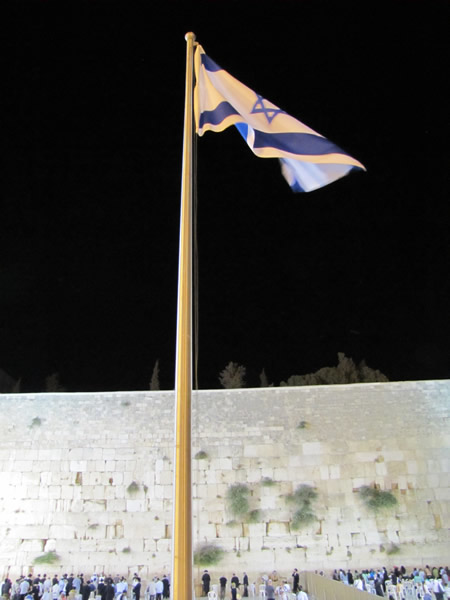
pixel 70 493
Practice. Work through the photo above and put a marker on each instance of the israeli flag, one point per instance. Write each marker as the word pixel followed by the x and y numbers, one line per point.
pixel 308 160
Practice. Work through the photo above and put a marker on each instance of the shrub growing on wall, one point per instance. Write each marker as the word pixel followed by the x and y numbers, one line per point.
pixel 133 488
pixel 237 499
pixel 49 558
pixel 302 499
pixel 201 454
pixel 376 499
pixel 208 555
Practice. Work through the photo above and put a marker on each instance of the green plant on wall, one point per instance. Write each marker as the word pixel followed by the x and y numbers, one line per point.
pixel 49 558
pixel 376 499
pixel 302 500
pixel 254 516
pixel 133 488
pixel 201 454
pixel 267 482
pixel 208 555
pixel 237 499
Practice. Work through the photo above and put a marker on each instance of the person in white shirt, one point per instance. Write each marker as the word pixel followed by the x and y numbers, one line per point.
pixel 77 583
pixel 24 588
pixel 62 584
pixel 302 595
pixel 438 589
pixel 55 591
pixel 46 595
pixel 159 588
pixel 121 588
pixel 150 592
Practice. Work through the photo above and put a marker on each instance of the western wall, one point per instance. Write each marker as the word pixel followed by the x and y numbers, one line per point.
pixel 86 479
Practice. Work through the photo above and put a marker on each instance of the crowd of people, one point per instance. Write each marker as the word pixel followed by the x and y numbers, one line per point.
pixel 77 587
pixel 426 581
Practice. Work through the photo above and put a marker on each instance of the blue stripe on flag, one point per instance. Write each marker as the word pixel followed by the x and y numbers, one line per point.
pixel 209 64
pixel 296 143
pixel 243 129
pixel 216 116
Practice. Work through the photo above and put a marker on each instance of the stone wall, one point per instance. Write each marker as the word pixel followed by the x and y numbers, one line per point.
pixel 89 477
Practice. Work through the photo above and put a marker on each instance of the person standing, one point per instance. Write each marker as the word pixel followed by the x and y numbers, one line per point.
pixel 110 592
pixel 270 591
pixel 223 585
pixel 379 587
pixel 86 591
pixel 206 580
pixel 245 583
pixel 159 589
pixel 77 583
pixel 301 594
pixel 24 588
pixel 438 589
pixel 101 589
pixel 233 591
pixel 150 592
pixel 166 586
pixel 55 589
pixel 295 581
pixel 6 588
pixel 137 588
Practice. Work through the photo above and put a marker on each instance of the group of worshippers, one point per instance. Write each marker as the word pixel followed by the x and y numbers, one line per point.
pixel 429 580
pixel 273 587
pixel 158 588
pixel 234 585
pixel 70 587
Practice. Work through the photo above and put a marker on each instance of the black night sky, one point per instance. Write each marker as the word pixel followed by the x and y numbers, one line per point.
pixel 91 122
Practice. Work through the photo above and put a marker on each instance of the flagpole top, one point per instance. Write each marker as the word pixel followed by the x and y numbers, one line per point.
pixel 190 36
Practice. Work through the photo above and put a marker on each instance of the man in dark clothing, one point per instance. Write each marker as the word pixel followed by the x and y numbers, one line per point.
pixel 69 584
pixel 295 581
pixel 101 590
pixel 378 587
pixel 109 590
pixel 86 591
pixel 245 582
pixel 6 588
pixel 206 579
pixel 166 587
pixel 235 580
pixel 137 588
pixel 223 585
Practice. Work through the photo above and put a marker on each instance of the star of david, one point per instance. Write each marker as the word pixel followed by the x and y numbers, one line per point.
pixel 260 107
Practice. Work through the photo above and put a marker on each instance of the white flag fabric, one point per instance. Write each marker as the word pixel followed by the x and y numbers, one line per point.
pixel 308 160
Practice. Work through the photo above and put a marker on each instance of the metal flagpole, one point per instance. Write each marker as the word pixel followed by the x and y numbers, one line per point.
pixel 182 584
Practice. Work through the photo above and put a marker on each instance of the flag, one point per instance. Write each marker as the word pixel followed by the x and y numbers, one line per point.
pixel 308 160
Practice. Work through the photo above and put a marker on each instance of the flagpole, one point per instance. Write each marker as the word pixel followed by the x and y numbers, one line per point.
pixel 182 584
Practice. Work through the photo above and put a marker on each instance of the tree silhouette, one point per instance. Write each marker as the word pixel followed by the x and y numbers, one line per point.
pixel 154 382
pixel 8 385
pixel 232 376
pixel 52 384
pixel 263 380
pixel 345 372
